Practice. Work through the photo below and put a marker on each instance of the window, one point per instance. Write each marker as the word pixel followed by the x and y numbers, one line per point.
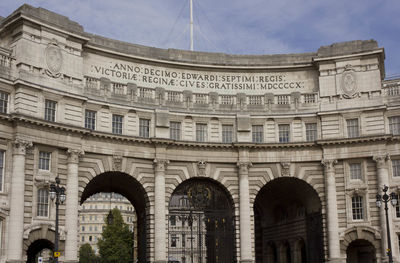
pixel 201 132
pixel 144 128
pixel 355 171
pixel 44 161
pixel 83 228
pixel 50 110
pixel 175 130
pixel 396 167
pixel 173 220
pixel 90 119
pixel 43 202
pixel 183 240
pixel 173 240
pixel 394 125
pixel 357 207
pixel 352 128
pixel 2 162
pixel 83 218
pixel 398 207
pixel 90 238
pixel 3 102
pixel 117 124
pixel 83 238
pixel 257 132
pixel 284 132
pixel 227 133
pixel 311 132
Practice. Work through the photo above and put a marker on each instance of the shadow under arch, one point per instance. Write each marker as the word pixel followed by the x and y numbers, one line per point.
pixel 132 190
pixel 201 222
pixel 37 246
pixel 286 209
pixel 361 251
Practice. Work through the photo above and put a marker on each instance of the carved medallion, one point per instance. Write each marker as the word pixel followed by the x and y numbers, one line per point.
pixel 199 195
pixel 349 83
pixel 53 59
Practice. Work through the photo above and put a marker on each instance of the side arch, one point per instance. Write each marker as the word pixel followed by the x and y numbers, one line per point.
pixel 134 191
pixel 360 233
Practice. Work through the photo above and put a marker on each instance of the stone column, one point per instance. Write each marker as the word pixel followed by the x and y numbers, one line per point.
pixel 17 196
pixel 72 203
pixel 244 213
pixel 160 237
pixel 383 179
pixel 331 211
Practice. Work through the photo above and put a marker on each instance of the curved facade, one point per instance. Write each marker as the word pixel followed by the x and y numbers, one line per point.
pixel 297 145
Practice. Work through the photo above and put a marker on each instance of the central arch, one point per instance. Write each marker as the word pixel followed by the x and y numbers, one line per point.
pixel 201 223
pixel 288 222
pixel 132 190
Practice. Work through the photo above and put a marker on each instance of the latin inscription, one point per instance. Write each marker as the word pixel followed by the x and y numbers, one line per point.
pixel 148 76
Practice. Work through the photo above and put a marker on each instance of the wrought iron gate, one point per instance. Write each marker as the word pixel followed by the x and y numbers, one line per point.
pixel 200 224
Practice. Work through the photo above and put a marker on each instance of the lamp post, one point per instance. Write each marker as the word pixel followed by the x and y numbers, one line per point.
pixel 386 198
pixel 57 192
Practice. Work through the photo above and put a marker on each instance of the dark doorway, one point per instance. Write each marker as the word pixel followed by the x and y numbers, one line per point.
pixel 361 251
pixel 201 224
pixel 38 247
pixel 131 189
pixel 286 210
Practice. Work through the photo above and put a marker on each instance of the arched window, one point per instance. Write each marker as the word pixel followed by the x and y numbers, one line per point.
pixel 43 202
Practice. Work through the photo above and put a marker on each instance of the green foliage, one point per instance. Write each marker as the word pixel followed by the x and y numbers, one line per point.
pixel 116 244
pixel 87 255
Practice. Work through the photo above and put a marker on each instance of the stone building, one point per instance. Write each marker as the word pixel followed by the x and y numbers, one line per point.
pixel 93 215
pixel 267 158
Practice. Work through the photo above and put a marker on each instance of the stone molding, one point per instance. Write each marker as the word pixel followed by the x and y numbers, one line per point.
pixel 21 145
pixel 74 154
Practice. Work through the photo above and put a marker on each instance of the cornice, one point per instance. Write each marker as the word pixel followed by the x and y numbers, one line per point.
pixel 19 118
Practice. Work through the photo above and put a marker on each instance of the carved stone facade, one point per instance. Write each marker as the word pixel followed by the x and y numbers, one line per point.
pixel 108 116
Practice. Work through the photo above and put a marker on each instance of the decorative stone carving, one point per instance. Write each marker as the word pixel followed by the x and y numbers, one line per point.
pixel 201 168
pixel 54 59
pixel 244 167
pixel 74 154
pixel 329 164
pixel 117 162
pixel 381 160
pixel 21 145
pixel 285 168
pixel 349 83
pixel 160 164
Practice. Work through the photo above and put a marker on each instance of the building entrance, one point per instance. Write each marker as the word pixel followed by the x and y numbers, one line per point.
pixel 131 189
pixel 288 223
pixel 201 225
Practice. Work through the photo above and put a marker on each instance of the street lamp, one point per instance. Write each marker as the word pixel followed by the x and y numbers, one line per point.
pixel 386 198
pixel 58 193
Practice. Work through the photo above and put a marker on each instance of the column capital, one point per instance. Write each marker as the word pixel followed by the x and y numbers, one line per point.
pixel 329 164
pixel 244 166
pixel 74 154
pixel 160 164
pixel 381 159
pixel 21 145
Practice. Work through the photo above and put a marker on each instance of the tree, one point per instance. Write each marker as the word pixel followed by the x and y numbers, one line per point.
pixel 87 255
pixel 116 244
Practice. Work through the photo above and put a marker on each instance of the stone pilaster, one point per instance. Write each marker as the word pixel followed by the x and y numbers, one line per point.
pixel 160 237
pixel 244 213
pixel 72 203
pixel 331 210
pixel 17 194
pixel 383 179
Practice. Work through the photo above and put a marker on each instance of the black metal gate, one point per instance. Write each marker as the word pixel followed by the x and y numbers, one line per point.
pixel 200 224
